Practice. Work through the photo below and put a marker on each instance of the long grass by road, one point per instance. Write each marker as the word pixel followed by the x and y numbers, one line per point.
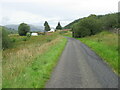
pixel 29 63
pixel 105 44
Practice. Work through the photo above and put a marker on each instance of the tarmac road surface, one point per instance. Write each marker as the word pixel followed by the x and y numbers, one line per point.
pixel 80 67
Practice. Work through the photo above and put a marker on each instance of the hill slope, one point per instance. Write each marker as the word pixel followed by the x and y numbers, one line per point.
pixel 32 27
pixel 107 17
pixel 9 30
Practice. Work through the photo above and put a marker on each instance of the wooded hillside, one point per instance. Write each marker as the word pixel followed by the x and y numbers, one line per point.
pixel 94 24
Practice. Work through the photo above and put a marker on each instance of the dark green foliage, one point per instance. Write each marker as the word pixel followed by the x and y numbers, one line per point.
pixel 76 32
pixel 6 42
pixel 23 29
pixel 94 24
pixel 86 27
pixel 84 32
pixel 58 27
pixel 119 20
pixel 0 37
pixel 110 21
pixel 13 40
pixel 47 27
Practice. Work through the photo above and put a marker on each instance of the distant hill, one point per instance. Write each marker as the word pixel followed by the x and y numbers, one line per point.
pixel 36 28
pixel 12 26
pixel 32 27
pixel 9 31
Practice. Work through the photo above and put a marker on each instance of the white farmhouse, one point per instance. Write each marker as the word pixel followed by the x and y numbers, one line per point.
pixel 52 30
pixel 34 34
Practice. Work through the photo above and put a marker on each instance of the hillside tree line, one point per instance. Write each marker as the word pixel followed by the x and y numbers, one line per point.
pixel 93 24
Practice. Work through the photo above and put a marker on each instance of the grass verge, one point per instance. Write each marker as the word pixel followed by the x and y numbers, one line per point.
pixel 66 33
pixel 0 69
pixel 31 67
pixel 105 44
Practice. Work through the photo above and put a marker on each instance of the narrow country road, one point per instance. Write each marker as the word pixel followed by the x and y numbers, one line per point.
pixel 80 67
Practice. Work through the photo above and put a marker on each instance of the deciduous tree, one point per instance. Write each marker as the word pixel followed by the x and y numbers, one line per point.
pixel 23 29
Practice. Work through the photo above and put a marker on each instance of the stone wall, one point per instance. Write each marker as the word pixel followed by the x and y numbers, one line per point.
pixel 115 30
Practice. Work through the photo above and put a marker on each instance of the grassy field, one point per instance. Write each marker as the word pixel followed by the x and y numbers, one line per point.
pixel 28 64
pixel 66 33
pixel 0 69
pixel 0 57
pixel 105 44
pixel 30 60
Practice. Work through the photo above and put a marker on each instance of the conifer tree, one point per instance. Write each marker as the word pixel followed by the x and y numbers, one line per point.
pixel 59 27
pixel 47 27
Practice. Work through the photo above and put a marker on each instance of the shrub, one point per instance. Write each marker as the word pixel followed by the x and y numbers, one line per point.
pixel 84 31
pixel 6 43
pixel 86 26
pixel 28 34
pixel 13 40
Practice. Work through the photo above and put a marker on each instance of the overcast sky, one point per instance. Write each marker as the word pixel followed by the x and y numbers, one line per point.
pixel 53 11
